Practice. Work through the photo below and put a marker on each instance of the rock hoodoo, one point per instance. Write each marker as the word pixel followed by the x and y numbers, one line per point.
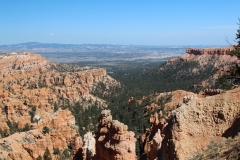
pixel 33 143
pixel 31 93
pixel 89 150
pixel 113 140
pixel 77 150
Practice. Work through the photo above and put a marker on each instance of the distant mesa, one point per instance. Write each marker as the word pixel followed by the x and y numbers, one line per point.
pixel 210 51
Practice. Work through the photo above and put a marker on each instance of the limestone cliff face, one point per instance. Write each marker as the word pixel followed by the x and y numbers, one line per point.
pixel 89 147
pixel 192 126
pixel 113 140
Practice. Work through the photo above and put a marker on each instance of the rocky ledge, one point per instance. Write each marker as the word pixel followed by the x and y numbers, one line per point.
pixel 193 126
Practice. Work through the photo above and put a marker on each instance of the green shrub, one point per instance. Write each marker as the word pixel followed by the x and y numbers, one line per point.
pixel 47 155
pixel 45 130
pixel 56 151
pixel 39 158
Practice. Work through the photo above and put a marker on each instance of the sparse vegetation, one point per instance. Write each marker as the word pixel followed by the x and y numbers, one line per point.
pixel 224 149
pixel 3 133
pixel 71 68
pixel 66 154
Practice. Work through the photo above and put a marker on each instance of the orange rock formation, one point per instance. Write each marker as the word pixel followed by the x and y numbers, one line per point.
pixel 218 59
pixel 113 141
pixel 192 126
pixel 31 144
pixel 30 88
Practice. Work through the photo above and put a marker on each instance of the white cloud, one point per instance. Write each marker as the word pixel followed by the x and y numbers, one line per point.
pixel 52 34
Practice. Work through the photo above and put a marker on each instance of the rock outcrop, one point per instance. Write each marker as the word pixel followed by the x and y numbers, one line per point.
pixel 28 80
pixel 201 121
pixel 208 61
pixel 113 140
pixel 193 126
pixel 78 151
pixel 210 51
pixel 177 97
pixel 32 93
pixel 89 147
pixel 35 81
pixel 153 138
pixel 33 143
pixel 217 56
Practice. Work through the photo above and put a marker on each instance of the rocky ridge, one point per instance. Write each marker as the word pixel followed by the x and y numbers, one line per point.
pixel 201 121
pixel 216 61
pixel 193 126
pixel 210 51
pixel 219 57
pixel 32 91
pixel 27 79
pixel 33 143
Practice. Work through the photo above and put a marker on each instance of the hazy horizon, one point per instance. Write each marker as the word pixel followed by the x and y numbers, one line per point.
pixel 170 45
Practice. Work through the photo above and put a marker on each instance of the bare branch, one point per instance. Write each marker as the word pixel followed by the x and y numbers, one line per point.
pixel 226 39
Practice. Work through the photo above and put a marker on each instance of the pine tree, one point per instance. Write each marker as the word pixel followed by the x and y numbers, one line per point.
pixel 39 158
pixel 236 51
pixel 56 151
pixel 45 130
pixel 26 127
pixel 228 81
pixel 47 155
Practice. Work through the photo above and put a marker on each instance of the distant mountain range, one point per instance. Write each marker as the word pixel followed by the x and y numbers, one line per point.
pixel 55 47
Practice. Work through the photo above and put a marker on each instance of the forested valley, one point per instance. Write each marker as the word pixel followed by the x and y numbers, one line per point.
pixel 139 83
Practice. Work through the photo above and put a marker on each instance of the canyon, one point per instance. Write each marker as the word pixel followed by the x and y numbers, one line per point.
pixel 36 115
pixel 33 92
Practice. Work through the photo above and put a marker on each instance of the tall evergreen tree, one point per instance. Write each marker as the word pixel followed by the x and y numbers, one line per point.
pixel 39 158
pixel 236 51
pixel 47 155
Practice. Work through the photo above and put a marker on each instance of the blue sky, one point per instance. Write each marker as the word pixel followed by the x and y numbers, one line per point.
pixel 136 22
